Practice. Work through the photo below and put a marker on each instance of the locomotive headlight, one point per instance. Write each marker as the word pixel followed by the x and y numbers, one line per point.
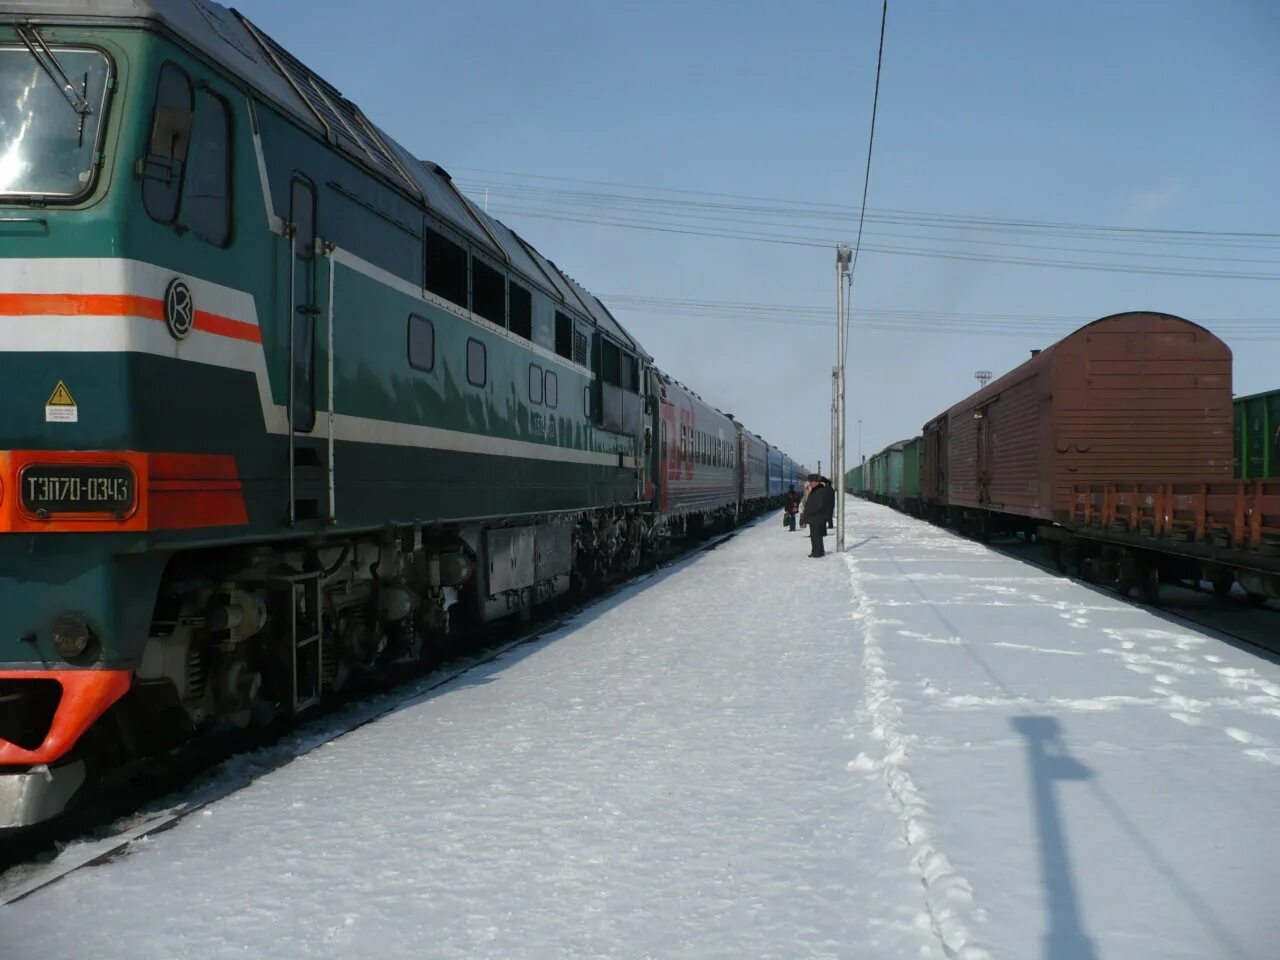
pixel 71 635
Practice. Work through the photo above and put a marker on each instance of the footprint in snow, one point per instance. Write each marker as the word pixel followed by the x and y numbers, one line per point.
pixel 862 763
pixel 1244 736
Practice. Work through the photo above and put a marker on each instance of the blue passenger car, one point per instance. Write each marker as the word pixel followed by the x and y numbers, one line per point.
pixel 774 469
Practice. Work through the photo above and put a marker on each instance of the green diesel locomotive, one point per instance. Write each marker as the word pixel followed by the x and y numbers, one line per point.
pixel 281 404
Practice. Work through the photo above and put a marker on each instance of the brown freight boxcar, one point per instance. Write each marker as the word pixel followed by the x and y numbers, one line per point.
pixel 1133 397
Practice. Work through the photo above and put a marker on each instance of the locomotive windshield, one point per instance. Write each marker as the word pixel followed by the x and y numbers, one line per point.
pixel 49 128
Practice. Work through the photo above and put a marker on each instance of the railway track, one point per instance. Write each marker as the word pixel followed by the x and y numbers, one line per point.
pixel 37 868
pixel 1254 627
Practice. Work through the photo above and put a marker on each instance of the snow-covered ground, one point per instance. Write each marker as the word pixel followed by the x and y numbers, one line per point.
pixel 921 749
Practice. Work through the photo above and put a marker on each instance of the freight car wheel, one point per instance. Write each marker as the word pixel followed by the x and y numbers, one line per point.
pixel 1129 574
pixel 1149 586
pixel 1053 556
pixel 1222 585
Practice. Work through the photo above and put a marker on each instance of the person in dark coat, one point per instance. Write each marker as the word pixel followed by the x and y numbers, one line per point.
pixel 792 508
pixel 817 514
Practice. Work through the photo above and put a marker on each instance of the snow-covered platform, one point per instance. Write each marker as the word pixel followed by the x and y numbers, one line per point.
pixel 920 749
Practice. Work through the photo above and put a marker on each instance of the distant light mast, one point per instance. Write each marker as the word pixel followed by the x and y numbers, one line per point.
pixel 983 376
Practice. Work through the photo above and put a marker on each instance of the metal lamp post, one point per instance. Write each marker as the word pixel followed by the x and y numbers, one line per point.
pixel 843 258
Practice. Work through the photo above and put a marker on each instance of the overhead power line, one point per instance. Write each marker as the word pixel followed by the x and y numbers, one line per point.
pixel 871 141
pixel 665 212
pixel 825 209
pixel 926 252
pixel 1042 327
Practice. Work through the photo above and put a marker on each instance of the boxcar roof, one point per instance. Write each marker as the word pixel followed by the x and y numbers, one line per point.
pixel 1137 318
pixel 229 39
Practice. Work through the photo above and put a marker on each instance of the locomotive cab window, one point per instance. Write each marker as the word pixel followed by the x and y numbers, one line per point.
pixel 564 335
pixel 446 267
pixel 422 343
pixel 611 363
pixel 477 363
pixel 551 395
pixel 207 201
pixel 165 163
pixel 535 383
pixel 50 149
pixel 521 311
pixel 488 292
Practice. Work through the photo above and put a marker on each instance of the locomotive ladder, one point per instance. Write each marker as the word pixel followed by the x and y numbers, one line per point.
pixel 303 597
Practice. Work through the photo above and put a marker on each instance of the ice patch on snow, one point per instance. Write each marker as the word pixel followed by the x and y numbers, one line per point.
pixel 1028 646
pixel 925 638
pixel 1080 704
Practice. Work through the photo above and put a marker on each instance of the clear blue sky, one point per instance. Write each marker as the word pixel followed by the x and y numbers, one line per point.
pixel 1136 114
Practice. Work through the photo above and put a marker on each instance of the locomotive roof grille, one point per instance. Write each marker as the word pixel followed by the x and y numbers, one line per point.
pixel 344 124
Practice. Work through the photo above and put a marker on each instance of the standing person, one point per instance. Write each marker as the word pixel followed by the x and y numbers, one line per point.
pixel 817 514
pixel 792 507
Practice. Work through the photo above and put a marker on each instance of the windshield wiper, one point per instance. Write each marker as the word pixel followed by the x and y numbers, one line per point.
pixel 49 63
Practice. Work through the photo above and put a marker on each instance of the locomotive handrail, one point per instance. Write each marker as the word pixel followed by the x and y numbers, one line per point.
pixel 327 249
pixel 293 282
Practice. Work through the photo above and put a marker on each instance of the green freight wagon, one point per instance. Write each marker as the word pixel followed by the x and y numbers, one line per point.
pixel 886 475
pixel 894 469
pixel 911 475
pixel 879 480
pixel 853 483
pixel 1257 435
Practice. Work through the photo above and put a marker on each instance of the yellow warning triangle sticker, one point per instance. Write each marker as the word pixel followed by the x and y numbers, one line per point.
pixel 61 397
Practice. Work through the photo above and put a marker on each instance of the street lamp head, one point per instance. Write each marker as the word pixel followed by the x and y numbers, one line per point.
pixel 844 256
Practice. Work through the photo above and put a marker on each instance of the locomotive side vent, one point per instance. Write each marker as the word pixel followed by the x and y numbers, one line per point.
pixel 195 673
